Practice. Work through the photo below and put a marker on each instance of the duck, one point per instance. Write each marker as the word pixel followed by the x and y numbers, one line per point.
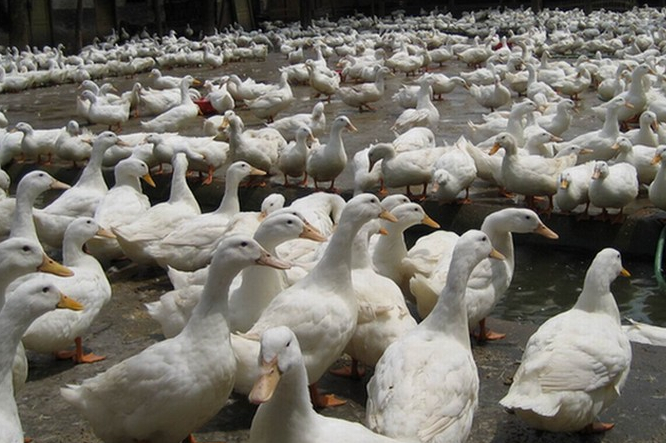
pixel 425 113
pixel 490 280
pixel 179 116
pixel 412 365
pixel 250 292
pixel 492 96
pixel 407 169
pixel 558 122
pixel 453 172
pixel 536 143
pixel 255 151
pixel 601 141
pixel 543 393
pixel 158 395
pixel 285 413
pixel 530 175
pixel 156 101
pixel 322 80
pixel 33 299
pixel 536 87
pixel 71 145
pixel 219 97
pixel 613 186
pixel 635 95
pixel 21 256
pixel 327 288
pixel 441 84
pixel 31 186
pixel 383 314
pixel 316 121
pixel 159 220
pixel 248 89
pixel 124 203
pixel 414 138
pixel 268 105
pixel 54 332
pixel 638 155
pixel 192 242
pixel 81 199
pixel 639 332
pixel 7 205
pixel 657 189
pixel 164 81
pixel 614 85
pixel 326 162
pixel 360 96
pixel 573 186
pixel 112 115
pixel 513 124
pixel 646 133
pixel 365 178
pixel 390 250
pixel 37 143
pixel 293 158
pixel 575 84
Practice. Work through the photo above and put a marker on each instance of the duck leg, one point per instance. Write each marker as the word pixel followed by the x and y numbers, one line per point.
pixel 320 401
pixel 353 370
pixel 77 355
pixel 209 177
pixel 486 334
pixel 305 180
pixel 597 427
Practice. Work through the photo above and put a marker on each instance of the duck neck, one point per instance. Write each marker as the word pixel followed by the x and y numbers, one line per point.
pixel 15 321
pixel 391 246
pixel 72 252
pixel 290 405
pixel 501 239
pixel 449 316
pixel 179 189
pixel 128 180
pixel 92 174
pixel 23 225
pixel 209 317
pixel 597 296
pixel 230 204
pixel 611 124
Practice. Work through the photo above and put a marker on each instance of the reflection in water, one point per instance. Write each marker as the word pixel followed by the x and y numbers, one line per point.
pixel 546 284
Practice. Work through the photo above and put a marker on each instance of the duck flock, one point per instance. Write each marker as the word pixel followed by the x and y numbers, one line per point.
pixel 265 302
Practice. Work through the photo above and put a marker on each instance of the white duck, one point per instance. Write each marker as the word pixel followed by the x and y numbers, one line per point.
pixel 179 116
pixel 425 113
pixel 657 189
pixel 587 341
pixel 268 105
pixel 489 280
pixel 124 203
pixel 326 162
pixel 250 292
pixel 191 243
pixel 530 175
pixel 418 393
pixel 285 413
pixel 638 155
pixel 322 80
pixel 646 133
pixel 557 123
pixel 293 158
pixel 322 298
pixel 574 183
pixel 383 315
pixel 491 96
pixel 72 145
pixel 56 331
pixel 390 250
pixel 600 141
pixel 453 172
pixel 112 115
pixel 37 143
pixel 360 96
pixel 316 121
pixel 242 146
pixel 158 221
pixel 159 395
pixel 32 300
pixel 409 168
pixel 613 186
pixel 164 81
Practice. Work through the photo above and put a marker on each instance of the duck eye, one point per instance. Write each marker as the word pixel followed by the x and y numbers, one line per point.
pixel 45 289
pixel 288 343
pixel 244 244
